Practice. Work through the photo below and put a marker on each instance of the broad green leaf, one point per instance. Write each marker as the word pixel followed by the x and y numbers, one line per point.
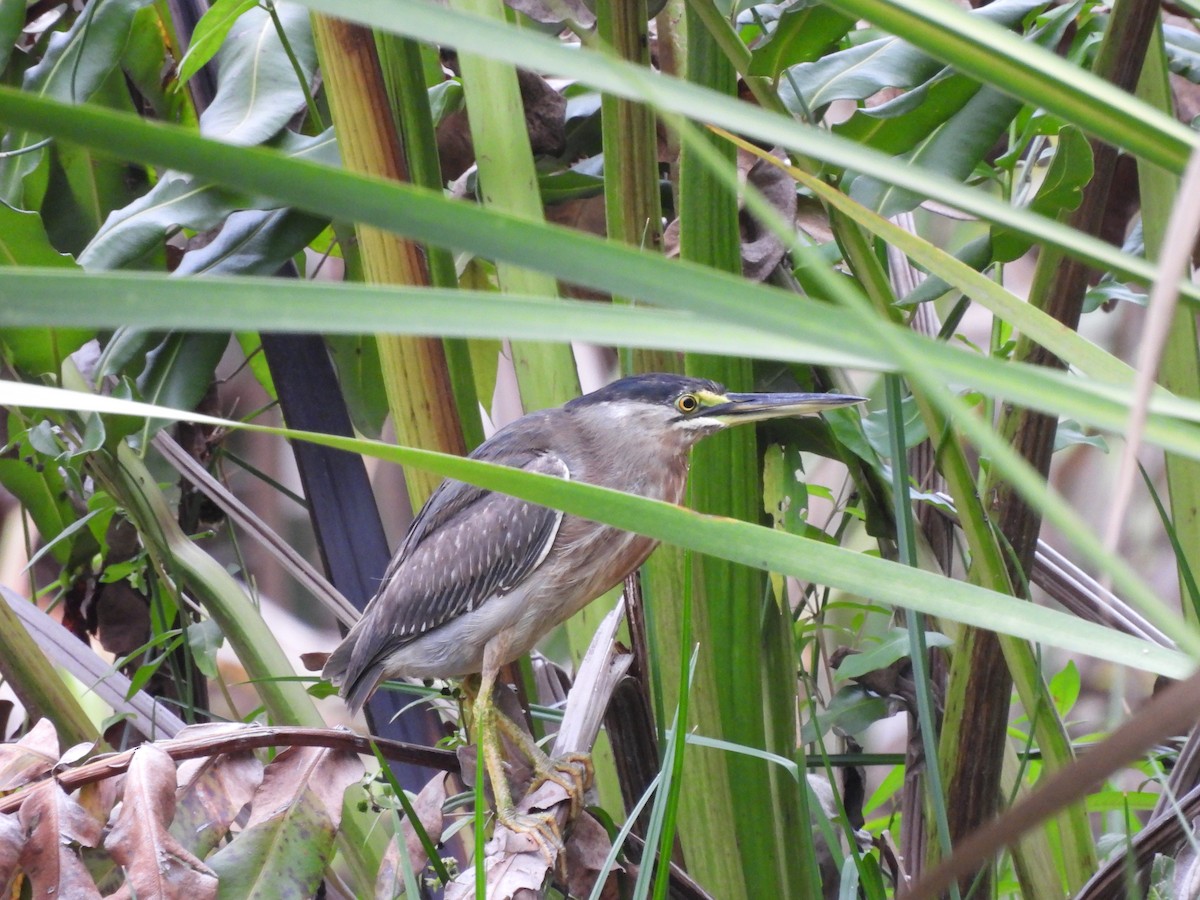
pixel 864 70
pixel 253 242
pixel 145 61
pixel 1064 688
pixel 204 639
pixel 258 91
pixel 357 360
pixel 12 19
pixel 801 33
pixel 210 34
pixel 75 64
pixel 23 242
pixel 39 488
pixel 856 573
pixel 181 200
pixel 897 125
pixel 959 143
pixel 179 371
pixel 177 200
pixel 1033 74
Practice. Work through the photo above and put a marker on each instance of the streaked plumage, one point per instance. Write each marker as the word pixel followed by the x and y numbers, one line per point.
pixel 478 566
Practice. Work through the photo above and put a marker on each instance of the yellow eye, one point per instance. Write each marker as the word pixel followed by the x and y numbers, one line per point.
pixel 687 403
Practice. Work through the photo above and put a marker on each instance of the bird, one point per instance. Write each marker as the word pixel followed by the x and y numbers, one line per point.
pixel 481 576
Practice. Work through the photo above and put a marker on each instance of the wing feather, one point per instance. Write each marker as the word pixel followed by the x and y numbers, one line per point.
pixel 471 545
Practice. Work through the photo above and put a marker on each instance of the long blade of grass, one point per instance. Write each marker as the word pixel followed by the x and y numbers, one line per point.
pixel 754 545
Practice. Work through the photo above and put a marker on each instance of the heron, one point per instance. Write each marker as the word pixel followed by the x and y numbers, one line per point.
pixel 482 576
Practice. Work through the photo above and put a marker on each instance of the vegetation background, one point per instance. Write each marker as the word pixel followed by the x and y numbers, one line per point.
pixel 414 221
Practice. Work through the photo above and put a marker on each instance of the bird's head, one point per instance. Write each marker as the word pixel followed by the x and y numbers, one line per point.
pixel 688 409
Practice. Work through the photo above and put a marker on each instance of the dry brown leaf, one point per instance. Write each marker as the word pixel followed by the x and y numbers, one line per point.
pixel 156 864
pixel 428 807
pixel 762 250
pixel 12 836
pixel 100 797
pixel 327 773
pixel 212 791
pixel 53 822
pixel 29 758
pixel 587 851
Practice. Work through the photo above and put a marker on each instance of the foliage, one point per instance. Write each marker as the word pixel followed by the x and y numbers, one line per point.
pixel 436 214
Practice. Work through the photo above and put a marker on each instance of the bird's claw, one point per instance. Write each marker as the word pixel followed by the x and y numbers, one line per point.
pixel 542 827
pixel 573 772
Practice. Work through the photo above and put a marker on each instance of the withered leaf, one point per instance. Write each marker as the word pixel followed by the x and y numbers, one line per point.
pixel 31 757
pixel 293 819
pixel 12 836
pixel 53 822
pixel 156 864
pixel 211 793
pixel 587 851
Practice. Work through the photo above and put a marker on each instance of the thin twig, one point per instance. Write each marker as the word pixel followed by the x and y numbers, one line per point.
pixel 214 740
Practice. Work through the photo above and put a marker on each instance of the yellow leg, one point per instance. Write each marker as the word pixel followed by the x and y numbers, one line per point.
pixel 543 827
pixel 573 772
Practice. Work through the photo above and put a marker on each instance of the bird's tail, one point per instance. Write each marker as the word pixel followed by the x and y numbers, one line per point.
pixel 355 680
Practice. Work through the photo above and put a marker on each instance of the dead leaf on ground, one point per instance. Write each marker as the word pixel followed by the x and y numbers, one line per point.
pixel 212 791
pixel 156 864
pixel 53 823
pixel 29 758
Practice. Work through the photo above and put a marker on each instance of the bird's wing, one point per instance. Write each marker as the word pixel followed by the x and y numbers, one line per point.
pixel 467 545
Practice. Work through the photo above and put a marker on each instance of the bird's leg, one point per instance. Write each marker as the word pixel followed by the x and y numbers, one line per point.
pixel 543 827
pixel 573 772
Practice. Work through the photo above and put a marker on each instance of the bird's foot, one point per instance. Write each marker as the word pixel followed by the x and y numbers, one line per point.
pixel 542 827
pixel 573 772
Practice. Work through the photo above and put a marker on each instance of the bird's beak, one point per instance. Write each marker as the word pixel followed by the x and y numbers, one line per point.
pixel 739 408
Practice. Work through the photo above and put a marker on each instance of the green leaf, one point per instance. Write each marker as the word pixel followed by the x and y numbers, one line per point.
pixel 1064 688
pixel 865 70
pixel 357 360
pixel 12 19
pixel 886 652
pixel 209 35
pixel 957 144
pixel 177 200
pixel 258 92
pixel 253 242
pixel 23 242
pixel 204 639
pixel 75 64
pixel 851 710
pixel 897 125
pixel 181 200
pixel 856 573
pixel 1070 433
pixel 180 370
pixel 1060 191
pixel 800 34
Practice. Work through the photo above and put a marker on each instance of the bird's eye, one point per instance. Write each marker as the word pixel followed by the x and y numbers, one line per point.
pixel 687 404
